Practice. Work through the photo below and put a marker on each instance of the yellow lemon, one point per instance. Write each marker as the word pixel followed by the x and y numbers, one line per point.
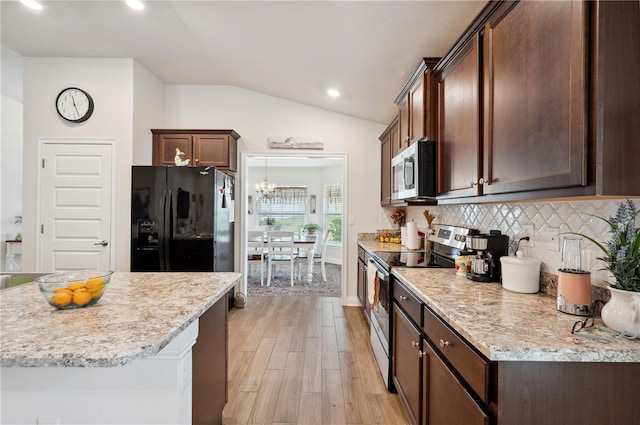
pixel 81 297
pixel 75 285
pixel 62 299
pixel 96 294
pixel 95 284
pixel 62 291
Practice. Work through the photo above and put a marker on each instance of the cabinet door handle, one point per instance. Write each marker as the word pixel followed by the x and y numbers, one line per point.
pixel 103 243
pixel 444 343
pixel 403 298
pixel 474 184
pixel 197 160
pixel 414 344
pixel 421 353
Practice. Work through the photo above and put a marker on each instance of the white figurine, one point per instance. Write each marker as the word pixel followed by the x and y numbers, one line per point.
pixel 178 159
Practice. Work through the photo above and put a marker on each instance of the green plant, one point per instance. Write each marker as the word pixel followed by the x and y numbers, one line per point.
pixel 622 252
pixel 311 227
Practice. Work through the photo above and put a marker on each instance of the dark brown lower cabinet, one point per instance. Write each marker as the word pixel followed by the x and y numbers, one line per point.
pixel 406 362
pixel 445 400
pixel 209 393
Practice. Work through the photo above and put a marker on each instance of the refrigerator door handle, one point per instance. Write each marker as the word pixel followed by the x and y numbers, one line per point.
pixel 162 240
pixel 167 230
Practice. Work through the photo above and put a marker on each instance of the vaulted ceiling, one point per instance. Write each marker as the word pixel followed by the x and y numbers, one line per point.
pixel 294 50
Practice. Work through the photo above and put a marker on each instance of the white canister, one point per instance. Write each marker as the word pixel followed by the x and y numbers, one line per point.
pixel 521 274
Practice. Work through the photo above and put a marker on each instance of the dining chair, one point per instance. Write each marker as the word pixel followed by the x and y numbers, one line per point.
pixel 280 250
pixel 295 229
pixel 317 256
pixel 256 251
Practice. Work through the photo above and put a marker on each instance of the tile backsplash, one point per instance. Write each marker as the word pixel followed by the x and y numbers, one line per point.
pixel 510 218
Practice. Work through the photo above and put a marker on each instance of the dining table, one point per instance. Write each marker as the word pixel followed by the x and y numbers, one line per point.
pixel 306 243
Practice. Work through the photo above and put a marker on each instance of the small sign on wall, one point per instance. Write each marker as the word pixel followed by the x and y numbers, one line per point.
pixel 297 142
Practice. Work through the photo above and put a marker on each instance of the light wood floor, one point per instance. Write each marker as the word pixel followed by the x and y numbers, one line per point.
pixel 304 360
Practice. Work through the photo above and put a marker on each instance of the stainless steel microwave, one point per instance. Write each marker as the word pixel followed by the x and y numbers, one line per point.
pixel 413 172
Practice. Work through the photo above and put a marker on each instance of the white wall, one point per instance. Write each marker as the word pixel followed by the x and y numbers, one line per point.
pixel 256 116
pixel 11 149
pixel 148 112
pixel 110 83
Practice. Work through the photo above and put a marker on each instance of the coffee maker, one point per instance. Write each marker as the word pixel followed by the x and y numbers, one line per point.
pixel 485 251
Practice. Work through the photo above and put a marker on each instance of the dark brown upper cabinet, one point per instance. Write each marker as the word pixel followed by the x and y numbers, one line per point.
pixel 459 116
pixel 417 106
pixel 535 97
pixel 204 148
pixel 389 138
pixel 540 100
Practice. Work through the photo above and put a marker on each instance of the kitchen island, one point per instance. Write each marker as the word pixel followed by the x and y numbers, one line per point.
pixel 131 358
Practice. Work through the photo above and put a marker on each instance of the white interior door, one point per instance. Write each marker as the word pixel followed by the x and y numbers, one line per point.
pixel 76 206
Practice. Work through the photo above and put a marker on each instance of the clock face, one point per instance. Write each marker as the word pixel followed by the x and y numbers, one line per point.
pixel 74 104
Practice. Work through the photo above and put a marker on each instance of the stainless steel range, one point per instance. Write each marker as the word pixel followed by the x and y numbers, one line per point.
pixel 443 247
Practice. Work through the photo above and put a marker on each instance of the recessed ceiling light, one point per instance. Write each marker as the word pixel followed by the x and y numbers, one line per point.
pixel 135 4
pixel 333 93
pixel 32 4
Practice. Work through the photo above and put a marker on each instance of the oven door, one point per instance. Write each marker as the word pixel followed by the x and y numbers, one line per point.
pixel 379 297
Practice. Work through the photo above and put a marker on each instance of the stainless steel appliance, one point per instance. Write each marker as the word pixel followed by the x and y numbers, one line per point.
pixel 379 306
pixel 485 251
pixel 446 243
pixel 413 172
pixel 180 219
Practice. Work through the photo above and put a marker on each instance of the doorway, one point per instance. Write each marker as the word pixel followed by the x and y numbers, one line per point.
pixel 316 173
pixel 76 203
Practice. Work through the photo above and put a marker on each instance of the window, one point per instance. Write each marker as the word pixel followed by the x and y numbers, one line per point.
pixel 286 207
pixel 333 212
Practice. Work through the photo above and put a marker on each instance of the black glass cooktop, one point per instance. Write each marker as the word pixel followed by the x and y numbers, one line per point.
pixel 413 259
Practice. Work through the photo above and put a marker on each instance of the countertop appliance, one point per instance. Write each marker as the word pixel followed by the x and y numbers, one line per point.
pixel 413 172
pixel 446 242
pixel 181 219
pixel 485 251
pixel 574 283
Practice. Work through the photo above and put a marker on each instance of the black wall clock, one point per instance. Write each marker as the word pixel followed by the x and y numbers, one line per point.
pixel 74 104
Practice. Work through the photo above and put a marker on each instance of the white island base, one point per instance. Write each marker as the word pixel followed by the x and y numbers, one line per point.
pixel 154 390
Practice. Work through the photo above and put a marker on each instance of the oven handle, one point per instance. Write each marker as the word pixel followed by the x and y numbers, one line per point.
pixel 382 273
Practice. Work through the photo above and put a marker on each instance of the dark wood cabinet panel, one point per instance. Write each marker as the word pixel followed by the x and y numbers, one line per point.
pixel 470 365
pixel 209 393
pixel 389 138
pixel 404 123
pixel 532 393
pixel 459 119
pixel 165 145
pixel 417 105
pixel 204 148
pixel 615 97
pixel 362 280
pixel 406 362
pixel 535 117
pixel 445 398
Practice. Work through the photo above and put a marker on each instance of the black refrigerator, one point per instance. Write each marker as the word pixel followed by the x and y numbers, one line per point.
pixel 181 219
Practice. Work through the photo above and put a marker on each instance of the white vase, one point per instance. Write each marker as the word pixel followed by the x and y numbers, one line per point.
pixel 622 312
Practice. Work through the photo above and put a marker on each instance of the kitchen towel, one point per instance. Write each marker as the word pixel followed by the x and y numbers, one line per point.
pixel 413 239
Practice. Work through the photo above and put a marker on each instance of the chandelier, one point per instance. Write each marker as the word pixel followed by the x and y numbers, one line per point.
pixel 265 189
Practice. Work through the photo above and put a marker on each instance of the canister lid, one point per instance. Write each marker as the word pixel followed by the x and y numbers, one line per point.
pixel 521 260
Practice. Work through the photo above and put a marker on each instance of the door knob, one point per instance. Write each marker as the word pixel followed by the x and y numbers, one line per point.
pixel 103 243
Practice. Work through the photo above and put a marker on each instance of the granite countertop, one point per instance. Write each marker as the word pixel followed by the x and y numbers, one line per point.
pixel 139 314
pixel 505 325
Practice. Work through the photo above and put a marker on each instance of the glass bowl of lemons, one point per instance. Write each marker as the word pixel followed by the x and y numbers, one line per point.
pixel 77 289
